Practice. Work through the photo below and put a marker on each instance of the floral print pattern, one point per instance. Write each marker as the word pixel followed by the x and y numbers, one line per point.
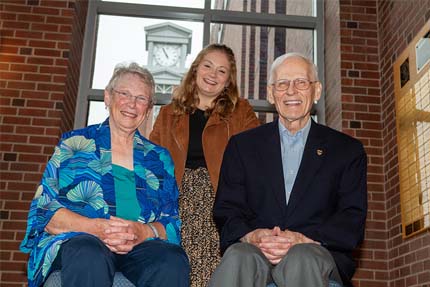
pixel 79 177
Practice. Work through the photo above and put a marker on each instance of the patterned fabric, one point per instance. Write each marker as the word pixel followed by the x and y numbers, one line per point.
pixel 79 177
pixel 199 235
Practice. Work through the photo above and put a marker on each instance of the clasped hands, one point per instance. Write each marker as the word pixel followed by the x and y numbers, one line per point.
pixel 275 243
pixel 121 235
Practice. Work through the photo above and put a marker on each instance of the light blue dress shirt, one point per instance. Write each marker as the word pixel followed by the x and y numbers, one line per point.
pixel 292 147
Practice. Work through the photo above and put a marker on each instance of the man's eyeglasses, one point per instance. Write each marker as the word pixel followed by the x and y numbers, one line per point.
pixel 127 96
pixel 299 84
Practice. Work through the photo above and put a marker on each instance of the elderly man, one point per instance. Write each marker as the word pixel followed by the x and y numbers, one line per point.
pixel 292 200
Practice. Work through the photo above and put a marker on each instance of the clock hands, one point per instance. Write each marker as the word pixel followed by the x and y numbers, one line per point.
pixel 165 53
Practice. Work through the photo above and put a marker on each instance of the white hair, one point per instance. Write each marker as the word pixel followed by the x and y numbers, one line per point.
pixel 278 61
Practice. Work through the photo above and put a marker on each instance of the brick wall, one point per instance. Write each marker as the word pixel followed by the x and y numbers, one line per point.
pixel 372 34
pixel 35 71
pixel 361 118
pixel 408 259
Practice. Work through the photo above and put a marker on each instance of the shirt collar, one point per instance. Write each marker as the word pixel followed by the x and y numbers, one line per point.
pixel 302 133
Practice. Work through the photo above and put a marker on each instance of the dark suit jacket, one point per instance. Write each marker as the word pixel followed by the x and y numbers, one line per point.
pixel 328 202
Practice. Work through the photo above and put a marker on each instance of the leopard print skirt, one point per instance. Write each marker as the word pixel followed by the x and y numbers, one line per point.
pixel 199 235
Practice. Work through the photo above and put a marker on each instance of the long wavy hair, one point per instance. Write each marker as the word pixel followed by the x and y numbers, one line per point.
pixel 185 97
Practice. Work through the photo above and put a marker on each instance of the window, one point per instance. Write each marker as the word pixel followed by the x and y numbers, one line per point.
pixel 134 30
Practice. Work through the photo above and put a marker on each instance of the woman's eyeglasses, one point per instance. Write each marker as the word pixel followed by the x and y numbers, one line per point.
pixel 142 100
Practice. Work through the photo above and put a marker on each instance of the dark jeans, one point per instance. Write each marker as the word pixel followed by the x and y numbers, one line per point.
pixel 84 260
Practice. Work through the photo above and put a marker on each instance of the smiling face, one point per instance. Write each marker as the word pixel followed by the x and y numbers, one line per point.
pixel 294 105
pixel 212 75
pixel 126 112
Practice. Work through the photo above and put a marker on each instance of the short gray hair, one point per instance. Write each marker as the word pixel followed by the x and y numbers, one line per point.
pixel 134 68
pixel 278 61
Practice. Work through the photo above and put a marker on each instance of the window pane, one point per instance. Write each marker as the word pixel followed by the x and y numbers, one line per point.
pixel 256 47
pixel 289 7
pixel 166 48
pixel 174 3
pixel 97 112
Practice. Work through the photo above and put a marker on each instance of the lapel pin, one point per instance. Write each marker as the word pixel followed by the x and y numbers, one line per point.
pixel 319 152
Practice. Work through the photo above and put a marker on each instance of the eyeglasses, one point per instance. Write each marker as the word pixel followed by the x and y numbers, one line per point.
pixel 141 100
pixel 299 84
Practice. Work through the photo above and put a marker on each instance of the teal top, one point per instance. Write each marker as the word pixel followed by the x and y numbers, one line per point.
pixel 127 206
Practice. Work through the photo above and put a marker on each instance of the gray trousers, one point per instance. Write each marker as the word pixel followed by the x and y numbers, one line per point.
pixel 305 265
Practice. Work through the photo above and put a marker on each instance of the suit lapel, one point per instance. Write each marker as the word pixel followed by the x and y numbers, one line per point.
pixel 313 157
pixel 271 160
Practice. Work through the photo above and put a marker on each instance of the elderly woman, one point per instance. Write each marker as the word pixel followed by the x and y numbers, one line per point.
pixel 205 112
pixel 108 200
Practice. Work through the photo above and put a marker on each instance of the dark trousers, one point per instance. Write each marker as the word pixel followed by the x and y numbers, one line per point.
pixel 84 260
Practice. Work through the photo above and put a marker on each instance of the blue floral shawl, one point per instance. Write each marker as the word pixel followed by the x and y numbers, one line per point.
pixel 79 177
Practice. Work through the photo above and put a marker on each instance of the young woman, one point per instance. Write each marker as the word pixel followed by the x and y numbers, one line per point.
pixel 205 112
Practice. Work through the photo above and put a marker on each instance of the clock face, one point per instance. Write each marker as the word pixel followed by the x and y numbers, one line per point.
pixel 167 55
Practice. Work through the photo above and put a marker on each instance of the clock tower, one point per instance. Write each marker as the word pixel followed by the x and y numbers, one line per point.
pixel 168 45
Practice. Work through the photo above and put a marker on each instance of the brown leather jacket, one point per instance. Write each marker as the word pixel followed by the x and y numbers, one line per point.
pixel 172 132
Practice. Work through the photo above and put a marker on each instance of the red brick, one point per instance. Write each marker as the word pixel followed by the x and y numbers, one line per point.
pixel 47 52
pixel 11 176
pixel 8 16
pixel 18 215
pixel 43 140
pixel 11 76
pixel 21 85
pixel 19 256
pixel 23 68
pixel 15 25
pixel 17 8
pixel 8 111
pixel 27 147
pixel 44 27
pixel 37 78
pixel 57 36
pixel 40 104
pixel 13 225
pixel 42 44
pixel 32 158
pixel 61 62
pixel 53 70
pixel 9 50
pixel 59 20
pixel 13 138
pixel 33 112
pixel 65 29
pixel 12 58
pixel 31 18
pixel 40 61
pixel 13 277
pixel 8 195
pixel 49 87
pixel 29 34
pixel 29 130
pixel 54 3
pixel 32 177
pixel 47 11
pixel 35 94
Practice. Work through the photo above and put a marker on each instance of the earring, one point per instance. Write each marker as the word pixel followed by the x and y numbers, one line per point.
pixel 315 102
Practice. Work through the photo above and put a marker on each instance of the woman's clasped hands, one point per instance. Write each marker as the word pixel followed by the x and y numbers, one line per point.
pixel 121 235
